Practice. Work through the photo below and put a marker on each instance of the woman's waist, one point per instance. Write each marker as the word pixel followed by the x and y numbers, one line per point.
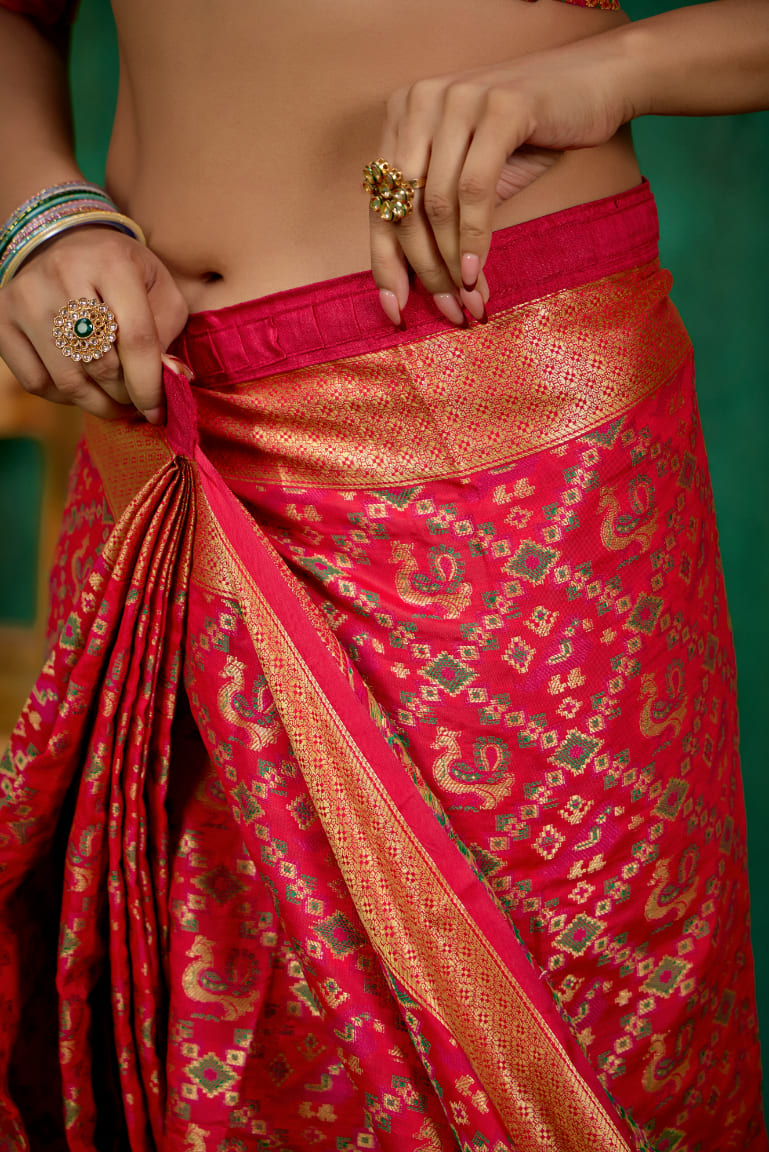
pixel 340 317
pixel 250 237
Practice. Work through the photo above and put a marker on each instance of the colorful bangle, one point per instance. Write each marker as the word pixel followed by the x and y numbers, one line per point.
pixel 14 259
pixel 52 211
pixel 59 193
pixel 26 229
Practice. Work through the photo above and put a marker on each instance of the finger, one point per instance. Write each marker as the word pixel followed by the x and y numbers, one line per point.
pixel 107 374
pixel 138 345
pixel 503 126
pixel 61 383
pixel 447 159
pixel 476 299
pixel 416 131
pixel 411 123
pixel 103 369
pixel 388 267
pixel 476 192
pixel 524 166
pixel 388 264
pixel 498 165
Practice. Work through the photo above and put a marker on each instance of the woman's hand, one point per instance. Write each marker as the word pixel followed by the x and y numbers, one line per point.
pixel 96 263
pixel 478 138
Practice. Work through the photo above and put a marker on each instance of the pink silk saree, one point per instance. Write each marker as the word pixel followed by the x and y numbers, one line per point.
pixel 381 790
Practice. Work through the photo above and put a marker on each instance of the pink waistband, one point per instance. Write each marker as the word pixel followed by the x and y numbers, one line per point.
pixel 342 317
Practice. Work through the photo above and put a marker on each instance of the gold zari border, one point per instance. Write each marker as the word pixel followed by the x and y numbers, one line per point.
pixel 533 377
pixel 127 454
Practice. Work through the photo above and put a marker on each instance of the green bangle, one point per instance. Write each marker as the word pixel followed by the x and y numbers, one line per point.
pixel 111 219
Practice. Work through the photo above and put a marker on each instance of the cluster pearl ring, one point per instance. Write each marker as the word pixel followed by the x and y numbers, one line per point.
pixel 84 329
pixel 391 196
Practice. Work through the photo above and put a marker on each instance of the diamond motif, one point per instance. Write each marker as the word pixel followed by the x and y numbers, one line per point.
pixel 211 1074
pixel 340 935
pixel 532 562
pixel 672 798
pixel 645 614
pixel 576 751
pixel 449 673
pixel 548 842
pixel 220 882
pixel 519 654
pixel 667 976
pixel 579 935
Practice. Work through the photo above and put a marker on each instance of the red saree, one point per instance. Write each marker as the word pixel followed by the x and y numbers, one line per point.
pixel 381 790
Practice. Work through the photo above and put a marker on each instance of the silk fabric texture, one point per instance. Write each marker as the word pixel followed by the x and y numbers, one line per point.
pixel 381 790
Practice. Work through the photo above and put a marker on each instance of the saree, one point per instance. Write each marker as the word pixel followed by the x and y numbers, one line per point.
pixel 381 788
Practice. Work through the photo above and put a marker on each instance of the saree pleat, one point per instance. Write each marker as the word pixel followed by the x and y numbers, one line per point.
pixel 120 647
pixel 381 782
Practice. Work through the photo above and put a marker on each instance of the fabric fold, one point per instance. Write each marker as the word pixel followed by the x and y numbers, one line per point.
pixel 108 741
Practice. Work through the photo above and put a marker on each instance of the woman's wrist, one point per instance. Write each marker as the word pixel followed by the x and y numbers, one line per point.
pixel 50 212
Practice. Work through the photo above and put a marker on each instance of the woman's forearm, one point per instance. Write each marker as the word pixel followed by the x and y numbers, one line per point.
pixel 705 60
pixel 36 140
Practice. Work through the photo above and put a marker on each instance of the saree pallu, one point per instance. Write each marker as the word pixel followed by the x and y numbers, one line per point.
pixel 381 790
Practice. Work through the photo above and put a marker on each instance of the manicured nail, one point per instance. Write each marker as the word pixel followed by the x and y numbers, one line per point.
pixel 177 366
pixel 471 270
pixel 450 307
pixel 473 302
pixel 389 302
pixel 155 415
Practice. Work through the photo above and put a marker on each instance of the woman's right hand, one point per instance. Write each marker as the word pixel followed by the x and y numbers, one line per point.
pixel 101 263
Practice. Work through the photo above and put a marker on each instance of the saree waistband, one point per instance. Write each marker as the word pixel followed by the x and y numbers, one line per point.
pixel 342 317
pixel 316 388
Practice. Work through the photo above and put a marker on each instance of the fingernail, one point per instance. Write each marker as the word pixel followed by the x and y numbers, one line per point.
pixel 155 415
pixel 389 302
pixel 471 270
pixel 473 302
pixel 177 366
pixel 450 307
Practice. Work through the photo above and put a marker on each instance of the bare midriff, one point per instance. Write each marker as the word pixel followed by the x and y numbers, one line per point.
pixel 242 128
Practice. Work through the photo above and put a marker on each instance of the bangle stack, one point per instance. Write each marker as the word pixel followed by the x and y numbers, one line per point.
pixel 56 210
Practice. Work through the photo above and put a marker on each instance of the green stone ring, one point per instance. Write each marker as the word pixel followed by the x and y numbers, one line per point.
pixel 391 196
pixel 84 329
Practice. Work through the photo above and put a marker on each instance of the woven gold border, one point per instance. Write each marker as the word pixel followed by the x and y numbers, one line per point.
pixel 535 376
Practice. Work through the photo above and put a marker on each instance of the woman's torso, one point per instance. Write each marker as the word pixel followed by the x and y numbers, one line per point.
pixel 242 128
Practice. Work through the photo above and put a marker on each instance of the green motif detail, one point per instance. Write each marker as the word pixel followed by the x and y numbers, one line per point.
pixel 575 751
pixel 399 499
pixel 211 1074
pixel 220 882
pixel 320 568
pixel 449 673
pixel 83 327
pixel 667 976
pixel 669 1140
pixel 341 936
pixel 532 562
pixel 579 935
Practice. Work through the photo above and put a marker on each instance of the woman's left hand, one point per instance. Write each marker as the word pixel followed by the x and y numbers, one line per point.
pixel 479 138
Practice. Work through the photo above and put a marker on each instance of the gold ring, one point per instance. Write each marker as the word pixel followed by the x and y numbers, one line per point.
pixel 391 196
pixel 84 329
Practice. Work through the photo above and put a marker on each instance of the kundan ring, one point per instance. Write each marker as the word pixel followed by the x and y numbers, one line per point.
pixel 391 196
pixel 84 329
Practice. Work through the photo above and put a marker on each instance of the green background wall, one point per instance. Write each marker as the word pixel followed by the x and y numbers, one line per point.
pixel 711 179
